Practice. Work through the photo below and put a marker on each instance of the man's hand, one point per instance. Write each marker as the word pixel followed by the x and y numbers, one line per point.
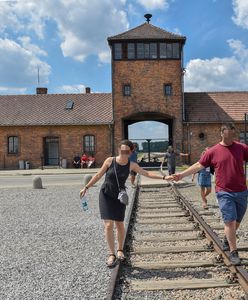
pixel 177 176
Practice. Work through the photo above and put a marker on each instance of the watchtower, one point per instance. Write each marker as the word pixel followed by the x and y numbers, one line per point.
pixel 147 79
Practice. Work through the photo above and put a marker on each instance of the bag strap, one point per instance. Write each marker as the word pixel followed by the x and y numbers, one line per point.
pixel 116 174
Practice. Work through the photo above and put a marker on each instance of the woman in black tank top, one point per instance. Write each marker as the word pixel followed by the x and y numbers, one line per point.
pixel 111 209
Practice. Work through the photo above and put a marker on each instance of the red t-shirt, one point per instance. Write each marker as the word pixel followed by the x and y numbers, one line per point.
pixel 228 164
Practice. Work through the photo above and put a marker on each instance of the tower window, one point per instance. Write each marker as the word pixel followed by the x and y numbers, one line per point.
pixel 146 50
pixel 127 90
pixel 130 50
pixel 169 50
pixel 118 51
pixel 13 145
pixel 168 89
pixel 140 50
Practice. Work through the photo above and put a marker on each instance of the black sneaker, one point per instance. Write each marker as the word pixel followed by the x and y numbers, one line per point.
pixel 234 258
pixel 225 243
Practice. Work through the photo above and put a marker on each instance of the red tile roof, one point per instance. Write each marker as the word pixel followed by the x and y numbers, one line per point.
pixel 50 109
pixel 147 31
pixel 215 106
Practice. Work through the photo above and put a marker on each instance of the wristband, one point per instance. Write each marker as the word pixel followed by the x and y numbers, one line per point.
pixel 86 187
pixel 163 177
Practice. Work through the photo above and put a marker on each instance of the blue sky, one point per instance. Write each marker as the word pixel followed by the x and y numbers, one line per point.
pixel 66 40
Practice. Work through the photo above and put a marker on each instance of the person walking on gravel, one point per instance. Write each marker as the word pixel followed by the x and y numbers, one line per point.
pixel 227 158
pixel 170 157
pixel 204 181
pixel 111 209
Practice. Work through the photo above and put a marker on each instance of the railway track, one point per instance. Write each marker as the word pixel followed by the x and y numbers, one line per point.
pixel 174 251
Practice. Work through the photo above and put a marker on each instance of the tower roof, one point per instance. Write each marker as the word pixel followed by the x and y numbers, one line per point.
pixel 146 31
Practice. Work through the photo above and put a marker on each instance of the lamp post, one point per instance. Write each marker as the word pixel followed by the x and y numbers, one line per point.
pixel 149 150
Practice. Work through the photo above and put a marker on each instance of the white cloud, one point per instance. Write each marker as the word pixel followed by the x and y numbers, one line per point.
pixel 240 13
pixel 154 4
pixel 26 43
pixel 219 74
pixel 83 26
pixel 12 91
pixel 19 65
pixel 71 89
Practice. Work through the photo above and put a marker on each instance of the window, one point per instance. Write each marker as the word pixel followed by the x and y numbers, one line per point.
pixel 162 50
pixel 69 104
pixel 127 90
pixel 169 50
pixel 130 50
pixel 140 50
pixel 175 50
pixel 12 144
pixel 89 143
pixel 117 51
pixel 153 50
pixel 168 89
pixel 147 50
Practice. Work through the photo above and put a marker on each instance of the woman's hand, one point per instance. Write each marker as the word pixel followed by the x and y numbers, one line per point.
pixel 82 192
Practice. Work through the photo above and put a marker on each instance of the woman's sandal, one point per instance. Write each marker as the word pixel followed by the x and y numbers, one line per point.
pixel 121 257
pixel 111 263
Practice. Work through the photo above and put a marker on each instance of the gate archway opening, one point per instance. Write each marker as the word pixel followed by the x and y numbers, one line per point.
pixel 152 133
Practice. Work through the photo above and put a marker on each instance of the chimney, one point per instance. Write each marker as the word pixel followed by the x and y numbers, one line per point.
pixel 87 90
pixel 41 90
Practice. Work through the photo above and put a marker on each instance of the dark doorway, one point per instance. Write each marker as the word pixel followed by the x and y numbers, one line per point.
pixel 51 151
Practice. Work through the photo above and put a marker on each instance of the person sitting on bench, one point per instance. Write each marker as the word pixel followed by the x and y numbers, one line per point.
pixel 77 161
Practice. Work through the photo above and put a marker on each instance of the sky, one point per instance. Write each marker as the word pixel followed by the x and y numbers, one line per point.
pixel 66 40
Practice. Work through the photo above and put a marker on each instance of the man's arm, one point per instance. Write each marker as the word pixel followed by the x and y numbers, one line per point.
pixel 191 170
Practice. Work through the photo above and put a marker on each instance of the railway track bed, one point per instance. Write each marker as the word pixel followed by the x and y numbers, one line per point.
pixel 174 252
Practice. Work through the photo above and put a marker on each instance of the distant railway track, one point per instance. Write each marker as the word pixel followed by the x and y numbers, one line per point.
pixel 174 251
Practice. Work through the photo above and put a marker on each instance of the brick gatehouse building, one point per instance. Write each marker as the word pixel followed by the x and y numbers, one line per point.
pixel 147 84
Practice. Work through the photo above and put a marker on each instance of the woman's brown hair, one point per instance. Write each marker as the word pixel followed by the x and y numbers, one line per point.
pixel 127 143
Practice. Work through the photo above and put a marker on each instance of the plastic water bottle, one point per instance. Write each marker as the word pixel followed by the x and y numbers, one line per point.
pixel 84 203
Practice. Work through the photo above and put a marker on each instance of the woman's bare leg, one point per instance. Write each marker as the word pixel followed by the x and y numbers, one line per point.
pixel 120 235
pixel 109 236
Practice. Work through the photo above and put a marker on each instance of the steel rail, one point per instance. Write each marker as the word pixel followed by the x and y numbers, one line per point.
pixel 116 270
pixel 238 271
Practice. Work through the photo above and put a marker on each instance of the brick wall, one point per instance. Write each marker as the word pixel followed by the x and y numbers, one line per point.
pixel 147 79
pixel 70 143
pixel 195 145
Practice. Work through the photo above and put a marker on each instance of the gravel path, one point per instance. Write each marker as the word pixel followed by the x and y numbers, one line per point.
pixel 50 248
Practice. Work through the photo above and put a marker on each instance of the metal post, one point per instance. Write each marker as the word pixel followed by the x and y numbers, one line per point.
pixel 149 150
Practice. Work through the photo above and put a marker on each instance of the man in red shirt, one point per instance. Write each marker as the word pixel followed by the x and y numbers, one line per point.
pixel 227 158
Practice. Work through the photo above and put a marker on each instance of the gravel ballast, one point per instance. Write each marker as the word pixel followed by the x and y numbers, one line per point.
pixel 50 248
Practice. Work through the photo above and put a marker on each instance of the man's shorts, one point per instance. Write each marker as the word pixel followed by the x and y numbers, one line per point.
pixel 232 205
